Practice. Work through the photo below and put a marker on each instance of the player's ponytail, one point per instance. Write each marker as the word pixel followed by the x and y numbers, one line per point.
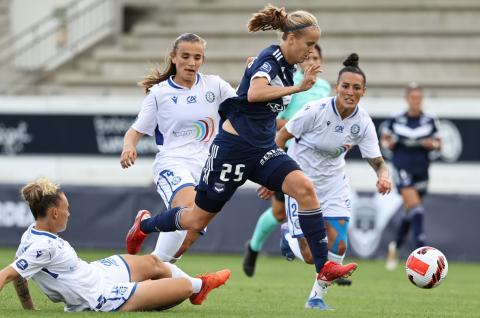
pixel 274 18
pixel 351 66
pixel 40 195
pixel 156 76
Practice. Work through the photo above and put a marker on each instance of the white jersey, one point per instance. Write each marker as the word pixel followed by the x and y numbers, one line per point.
pixel 320 143
pixel 54 265
pixel 183 120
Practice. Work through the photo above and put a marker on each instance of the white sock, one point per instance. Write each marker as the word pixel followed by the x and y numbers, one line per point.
pixel 318 291
pixel 168 244
pixel 293 242
pixel 336 258
pixel 177 272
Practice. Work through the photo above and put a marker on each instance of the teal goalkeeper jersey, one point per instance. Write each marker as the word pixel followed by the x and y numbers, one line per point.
pixel 320 90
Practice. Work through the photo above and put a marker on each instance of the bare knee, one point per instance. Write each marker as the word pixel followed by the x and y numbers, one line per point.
pixel 305 192
pixel 197 225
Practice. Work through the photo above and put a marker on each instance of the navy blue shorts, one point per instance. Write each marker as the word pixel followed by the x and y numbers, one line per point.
pixel 405 179
pixel 231 162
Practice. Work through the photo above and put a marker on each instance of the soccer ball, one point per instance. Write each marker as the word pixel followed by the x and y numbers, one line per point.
pixel 426 267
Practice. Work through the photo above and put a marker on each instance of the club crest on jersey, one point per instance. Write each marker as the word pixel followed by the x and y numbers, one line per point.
pixel 210 96
pixel 176 180
pixel 339 129
pixel 174 99
pixel 22 264
pixel 191 99
pixel 219 187
pixel 266 67
pixel 355 129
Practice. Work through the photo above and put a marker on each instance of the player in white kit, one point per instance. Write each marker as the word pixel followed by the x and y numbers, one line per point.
pixel 323 132
pixel 115 283
pixel 181 110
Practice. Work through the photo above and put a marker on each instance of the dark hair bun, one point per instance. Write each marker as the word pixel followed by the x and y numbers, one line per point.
pixel 352 60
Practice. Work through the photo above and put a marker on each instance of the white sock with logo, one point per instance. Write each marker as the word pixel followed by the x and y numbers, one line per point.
pixel 318 291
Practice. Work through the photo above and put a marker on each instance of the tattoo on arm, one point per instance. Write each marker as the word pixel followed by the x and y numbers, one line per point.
pixel 378 164
pixel 21 287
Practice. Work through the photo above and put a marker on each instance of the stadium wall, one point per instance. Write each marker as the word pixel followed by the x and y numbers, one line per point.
pixel 101 216
pixel 77 143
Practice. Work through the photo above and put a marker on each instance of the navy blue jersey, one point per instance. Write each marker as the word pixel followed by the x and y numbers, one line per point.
pixel 255 122
pixel 408 153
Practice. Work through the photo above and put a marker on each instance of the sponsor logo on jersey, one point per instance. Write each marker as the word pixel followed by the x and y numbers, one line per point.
pixel 204 129
pixel 175 98
pixel 201 130
pixel 272 154
pixel 191 99
pixel 22 264
pixel 339 129
pixel 355 129
pixel 328 122
pixel 39 253
pixel 210 96
pixel 276 108
pixel 266 67
pixel 219 187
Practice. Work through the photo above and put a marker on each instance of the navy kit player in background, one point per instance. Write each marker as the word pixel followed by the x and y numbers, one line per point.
pixel 115 283
pixel 410 136
pixel 245 147
pixel 181 110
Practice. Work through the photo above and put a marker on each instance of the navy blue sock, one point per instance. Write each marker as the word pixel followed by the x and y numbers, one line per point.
pixel 167 221
pixel 403 229
pixel 417 225
pixel 311 223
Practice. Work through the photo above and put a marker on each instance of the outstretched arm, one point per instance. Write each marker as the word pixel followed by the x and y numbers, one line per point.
pixel 7 275
pixel 384 186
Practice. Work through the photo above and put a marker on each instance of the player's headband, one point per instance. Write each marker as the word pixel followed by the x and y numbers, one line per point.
pixel 300 26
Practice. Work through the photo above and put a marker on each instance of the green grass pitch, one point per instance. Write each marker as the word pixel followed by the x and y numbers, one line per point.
pixel 280 288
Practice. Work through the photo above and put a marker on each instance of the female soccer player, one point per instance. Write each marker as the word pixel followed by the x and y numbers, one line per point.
pixel 181 110
pixel 411 136
pixel 324 131
pixel 275 215
pixel 245 147
pixel 124 283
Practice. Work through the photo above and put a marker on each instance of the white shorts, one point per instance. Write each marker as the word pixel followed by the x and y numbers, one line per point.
pixel 117 288
pixel 171 176
pixel 337 205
